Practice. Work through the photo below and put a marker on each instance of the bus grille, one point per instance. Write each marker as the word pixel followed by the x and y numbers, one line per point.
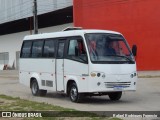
pixel 43 82
pixel 49 83
pixel 117 84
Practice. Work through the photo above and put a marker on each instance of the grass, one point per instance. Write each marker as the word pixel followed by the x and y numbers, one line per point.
pixel 49 112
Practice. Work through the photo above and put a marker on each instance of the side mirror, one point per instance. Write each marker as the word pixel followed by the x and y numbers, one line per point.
pixel 76 51
pixel 134 50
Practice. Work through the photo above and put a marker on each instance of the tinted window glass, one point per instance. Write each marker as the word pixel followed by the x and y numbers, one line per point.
pixel 76 50
pixel 26 50
pixel 110 48
pixel 60 50
pixel 37 49
pixel 72 45
pixel 49 49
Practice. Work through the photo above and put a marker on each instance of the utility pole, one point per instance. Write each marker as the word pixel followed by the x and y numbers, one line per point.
pixel 30 25
pixel 35 17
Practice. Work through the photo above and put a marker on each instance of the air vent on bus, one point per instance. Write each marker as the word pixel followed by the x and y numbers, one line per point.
pixel 49 83
pixel 43 82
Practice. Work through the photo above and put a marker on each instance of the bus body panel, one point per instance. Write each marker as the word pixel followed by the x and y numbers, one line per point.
pixel 41 69
pixel 54 73
pixel 60 74
pixel 78 72
pixel 112 76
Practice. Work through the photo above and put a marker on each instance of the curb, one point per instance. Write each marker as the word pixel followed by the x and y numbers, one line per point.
pixel 149 76
pixel 4 76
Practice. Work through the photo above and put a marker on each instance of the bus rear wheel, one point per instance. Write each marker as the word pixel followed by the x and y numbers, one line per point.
pixel 73 93
pixel 35 89
pixel 115 96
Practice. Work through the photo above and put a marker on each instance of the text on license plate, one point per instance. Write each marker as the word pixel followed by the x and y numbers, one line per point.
pixel 118 88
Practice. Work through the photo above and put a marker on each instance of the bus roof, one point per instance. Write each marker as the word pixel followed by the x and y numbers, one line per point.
pixel 66 34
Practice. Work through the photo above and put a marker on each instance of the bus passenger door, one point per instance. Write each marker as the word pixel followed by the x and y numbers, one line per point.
pixel 60 65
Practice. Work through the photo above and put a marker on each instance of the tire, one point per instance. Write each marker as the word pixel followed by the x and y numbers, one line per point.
pixel 74 95
pixel 115 96
pixel 35 89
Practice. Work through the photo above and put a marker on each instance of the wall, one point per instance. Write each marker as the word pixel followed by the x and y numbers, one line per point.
pixel 137 20
pixel 11 10
pixel 12 42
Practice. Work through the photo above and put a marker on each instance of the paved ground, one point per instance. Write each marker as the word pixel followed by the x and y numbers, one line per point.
pixel 14 73
pixel 146 98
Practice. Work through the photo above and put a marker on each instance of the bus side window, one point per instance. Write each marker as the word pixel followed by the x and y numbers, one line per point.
pixel 49 49
pixel 72 45
pixel 37 49
pixel 60 50
pixel 26 49
pixel 76 45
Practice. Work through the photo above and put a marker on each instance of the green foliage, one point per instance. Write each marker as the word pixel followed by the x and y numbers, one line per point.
pixel 8 103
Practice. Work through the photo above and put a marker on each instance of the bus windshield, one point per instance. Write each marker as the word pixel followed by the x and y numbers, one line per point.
pixel 111 48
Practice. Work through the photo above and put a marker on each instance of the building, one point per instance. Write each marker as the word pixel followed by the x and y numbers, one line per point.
pixel 137 20
pixel 16 21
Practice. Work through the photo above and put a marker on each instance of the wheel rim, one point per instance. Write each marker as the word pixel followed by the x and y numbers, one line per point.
pixel 74 93
pixel 34 88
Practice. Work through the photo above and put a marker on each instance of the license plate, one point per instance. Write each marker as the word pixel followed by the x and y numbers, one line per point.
pixel 119 88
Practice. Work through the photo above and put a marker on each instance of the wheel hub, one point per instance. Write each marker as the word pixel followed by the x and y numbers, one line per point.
pixel 34 88
pixel 73 93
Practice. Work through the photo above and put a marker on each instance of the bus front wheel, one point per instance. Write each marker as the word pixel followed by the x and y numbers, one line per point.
pixel 35 89
pixel 73 93
pixel 115 96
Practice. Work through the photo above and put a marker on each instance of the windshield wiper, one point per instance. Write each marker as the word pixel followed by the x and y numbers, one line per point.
pixel 122 57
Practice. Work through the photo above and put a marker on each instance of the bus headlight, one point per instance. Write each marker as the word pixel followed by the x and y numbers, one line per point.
pixel 93 74
pixel 103 76
pixel 133 75
pixel 98 74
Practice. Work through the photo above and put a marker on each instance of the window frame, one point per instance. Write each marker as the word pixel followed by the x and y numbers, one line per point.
pixel 41 50
pixel 64 50
pixel 110 62
pixel 55 43
pixel 21 54
pixel 67 48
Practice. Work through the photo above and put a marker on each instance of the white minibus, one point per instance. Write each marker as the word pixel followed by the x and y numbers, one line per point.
pixel 79 63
